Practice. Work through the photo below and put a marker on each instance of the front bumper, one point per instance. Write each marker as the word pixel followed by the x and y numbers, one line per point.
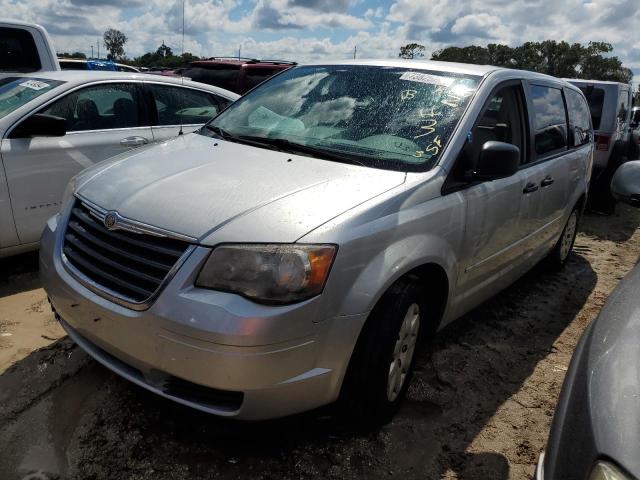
pixel 226 355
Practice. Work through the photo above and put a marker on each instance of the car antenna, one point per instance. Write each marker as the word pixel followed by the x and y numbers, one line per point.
pixel 182 70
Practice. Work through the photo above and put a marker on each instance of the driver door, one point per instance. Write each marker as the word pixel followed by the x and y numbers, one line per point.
pixel 102 121
pixel 501 214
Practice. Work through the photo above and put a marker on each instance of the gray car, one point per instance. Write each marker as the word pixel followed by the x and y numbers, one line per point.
pixel 291 253
pixel 595 432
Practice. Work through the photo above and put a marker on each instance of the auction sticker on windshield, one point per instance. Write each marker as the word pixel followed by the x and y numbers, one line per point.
pixel 427 78
pixel 35 84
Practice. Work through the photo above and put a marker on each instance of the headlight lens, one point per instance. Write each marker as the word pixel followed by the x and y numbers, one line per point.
pixel 67 196
pixel 268 273
pixel 607 471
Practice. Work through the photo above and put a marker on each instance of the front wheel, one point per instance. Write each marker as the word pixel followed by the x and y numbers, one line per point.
pixel 382 362
pixel 560 253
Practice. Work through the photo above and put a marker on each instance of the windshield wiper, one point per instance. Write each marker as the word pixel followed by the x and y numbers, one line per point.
pixel 288 146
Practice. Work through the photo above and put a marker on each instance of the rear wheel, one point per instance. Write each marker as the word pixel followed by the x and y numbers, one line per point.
pixel 560 253
pixel 382 363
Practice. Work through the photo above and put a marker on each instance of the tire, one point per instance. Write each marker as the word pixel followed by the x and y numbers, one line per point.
pixel 562 249
pixel 381 366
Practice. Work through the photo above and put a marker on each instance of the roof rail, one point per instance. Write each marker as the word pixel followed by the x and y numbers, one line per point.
pixel 285 62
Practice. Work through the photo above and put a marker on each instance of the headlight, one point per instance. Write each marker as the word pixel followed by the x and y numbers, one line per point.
pixel 268 273
pixel 607 471
pixel 67 196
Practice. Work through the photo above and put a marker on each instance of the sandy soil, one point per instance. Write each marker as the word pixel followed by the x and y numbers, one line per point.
pixel 26 321
pixel 479 406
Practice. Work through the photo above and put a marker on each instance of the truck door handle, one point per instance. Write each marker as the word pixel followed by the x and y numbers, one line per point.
pixel 530 187
pixel 548 180
pixel 133 141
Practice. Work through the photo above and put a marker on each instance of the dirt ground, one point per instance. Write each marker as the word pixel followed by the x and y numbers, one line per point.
pixel 479 406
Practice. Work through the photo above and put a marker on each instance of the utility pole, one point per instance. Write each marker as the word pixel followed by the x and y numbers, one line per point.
pixel 355 51
pixel 98 42
pixel 91 51
pixel 239 48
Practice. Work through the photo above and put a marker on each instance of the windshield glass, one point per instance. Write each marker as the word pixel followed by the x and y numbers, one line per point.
pixel 386 117
pixel 18 91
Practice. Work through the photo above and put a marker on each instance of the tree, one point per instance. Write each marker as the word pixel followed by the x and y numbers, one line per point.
pixel 164 51
pixel 559 59
pixel 71 55
pixel 114 41
pixel 411 50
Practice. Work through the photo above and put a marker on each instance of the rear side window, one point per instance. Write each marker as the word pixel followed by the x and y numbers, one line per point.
pixel 579 119
pixel 255 76
pixel 18 52
pixel 595 99
pixel 550 120
pixel 224 77
pixel 177 105
pixel 623 105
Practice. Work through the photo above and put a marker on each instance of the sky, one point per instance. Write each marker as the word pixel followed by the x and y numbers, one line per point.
pixel 303 30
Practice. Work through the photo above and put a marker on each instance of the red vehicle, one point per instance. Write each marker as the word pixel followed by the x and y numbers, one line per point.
pixel 237 75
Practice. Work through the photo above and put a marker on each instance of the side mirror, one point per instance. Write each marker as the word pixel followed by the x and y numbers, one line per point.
pixel 497 160
pixel 625 185
pixel 40 125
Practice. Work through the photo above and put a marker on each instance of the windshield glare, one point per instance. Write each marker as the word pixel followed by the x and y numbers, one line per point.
pixel 394 118
pixel 18 91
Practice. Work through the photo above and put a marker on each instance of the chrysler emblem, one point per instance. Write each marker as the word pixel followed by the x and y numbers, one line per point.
pixel 111 220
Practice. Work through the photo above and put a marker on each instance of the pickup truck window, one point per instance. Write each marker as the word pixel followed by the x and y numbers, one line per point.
pixel 18 52
pixel 18 91
pixel 383 117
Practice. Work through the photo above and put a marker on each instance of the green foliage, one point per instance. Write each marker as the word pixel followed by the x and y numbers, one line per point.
pixel 71 55
pixel 163 57
pixel 559 59
pixel 411 50
pixel 114 41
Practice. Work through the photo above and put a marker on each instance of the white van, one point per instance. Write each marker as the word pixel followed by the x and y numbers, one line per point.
pixel 610 105
pixel 25 48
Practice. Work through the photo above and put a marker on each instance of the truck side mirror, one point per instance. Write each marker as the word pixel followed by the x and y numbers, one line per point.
pixel 625 185
pixel 497 160
pixel 40 125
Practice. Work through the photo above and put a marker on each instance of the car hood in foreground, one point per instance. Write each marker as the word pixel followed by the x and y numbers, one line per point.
pixel 598 412
pixel 215 191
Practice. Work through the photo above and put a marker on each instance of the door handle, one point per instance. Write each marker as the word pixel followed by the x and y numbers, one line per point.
pixel 133 141
pixel 530 187
pixel 546 181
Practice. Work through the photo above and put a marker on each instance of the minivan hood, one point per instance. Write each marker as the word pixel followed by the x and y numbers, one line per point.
pixel 214 190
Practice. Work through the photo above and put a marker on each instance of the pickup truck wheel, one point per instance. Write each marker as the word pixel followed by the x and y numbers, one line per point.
pixel 560 253
pixel 382 363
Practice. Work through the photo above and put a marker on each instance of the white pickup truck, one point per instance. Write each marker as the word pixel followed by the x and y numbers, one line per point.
pixel 25 48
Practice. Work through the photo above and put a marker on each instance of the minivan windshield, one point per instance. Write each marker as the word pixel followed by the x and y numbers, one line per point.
pixel 383 117
pixel 18 91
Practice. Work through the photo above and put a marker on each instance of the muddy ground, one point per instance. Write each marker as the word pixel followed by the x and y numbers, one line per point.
pixel 479 406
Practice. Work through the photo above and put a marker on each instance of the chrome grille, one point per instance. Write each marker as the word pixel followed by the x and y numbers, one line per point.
pixel 131 266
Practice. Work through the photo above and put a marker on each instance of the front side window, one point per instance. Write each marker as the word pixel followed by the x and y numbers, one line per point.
pixel 18 91
pixel 184 106
pixel 501 121
pixel 99 107
pixel 18 52
pixel 550 120
pixel 579 118
pixel 383 117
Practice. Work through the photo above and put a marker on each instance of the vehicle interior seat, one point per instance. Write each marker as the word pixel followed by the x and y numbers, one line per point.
pixel 87 116
pixel 124 113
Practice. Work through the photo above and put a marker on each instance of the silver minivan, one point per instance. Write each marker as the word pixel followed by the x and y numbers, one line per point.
pixel 292 252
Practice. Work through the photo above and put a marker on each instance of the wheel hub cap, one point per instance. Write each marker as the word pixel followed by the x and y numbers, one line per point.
pixel 403 351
